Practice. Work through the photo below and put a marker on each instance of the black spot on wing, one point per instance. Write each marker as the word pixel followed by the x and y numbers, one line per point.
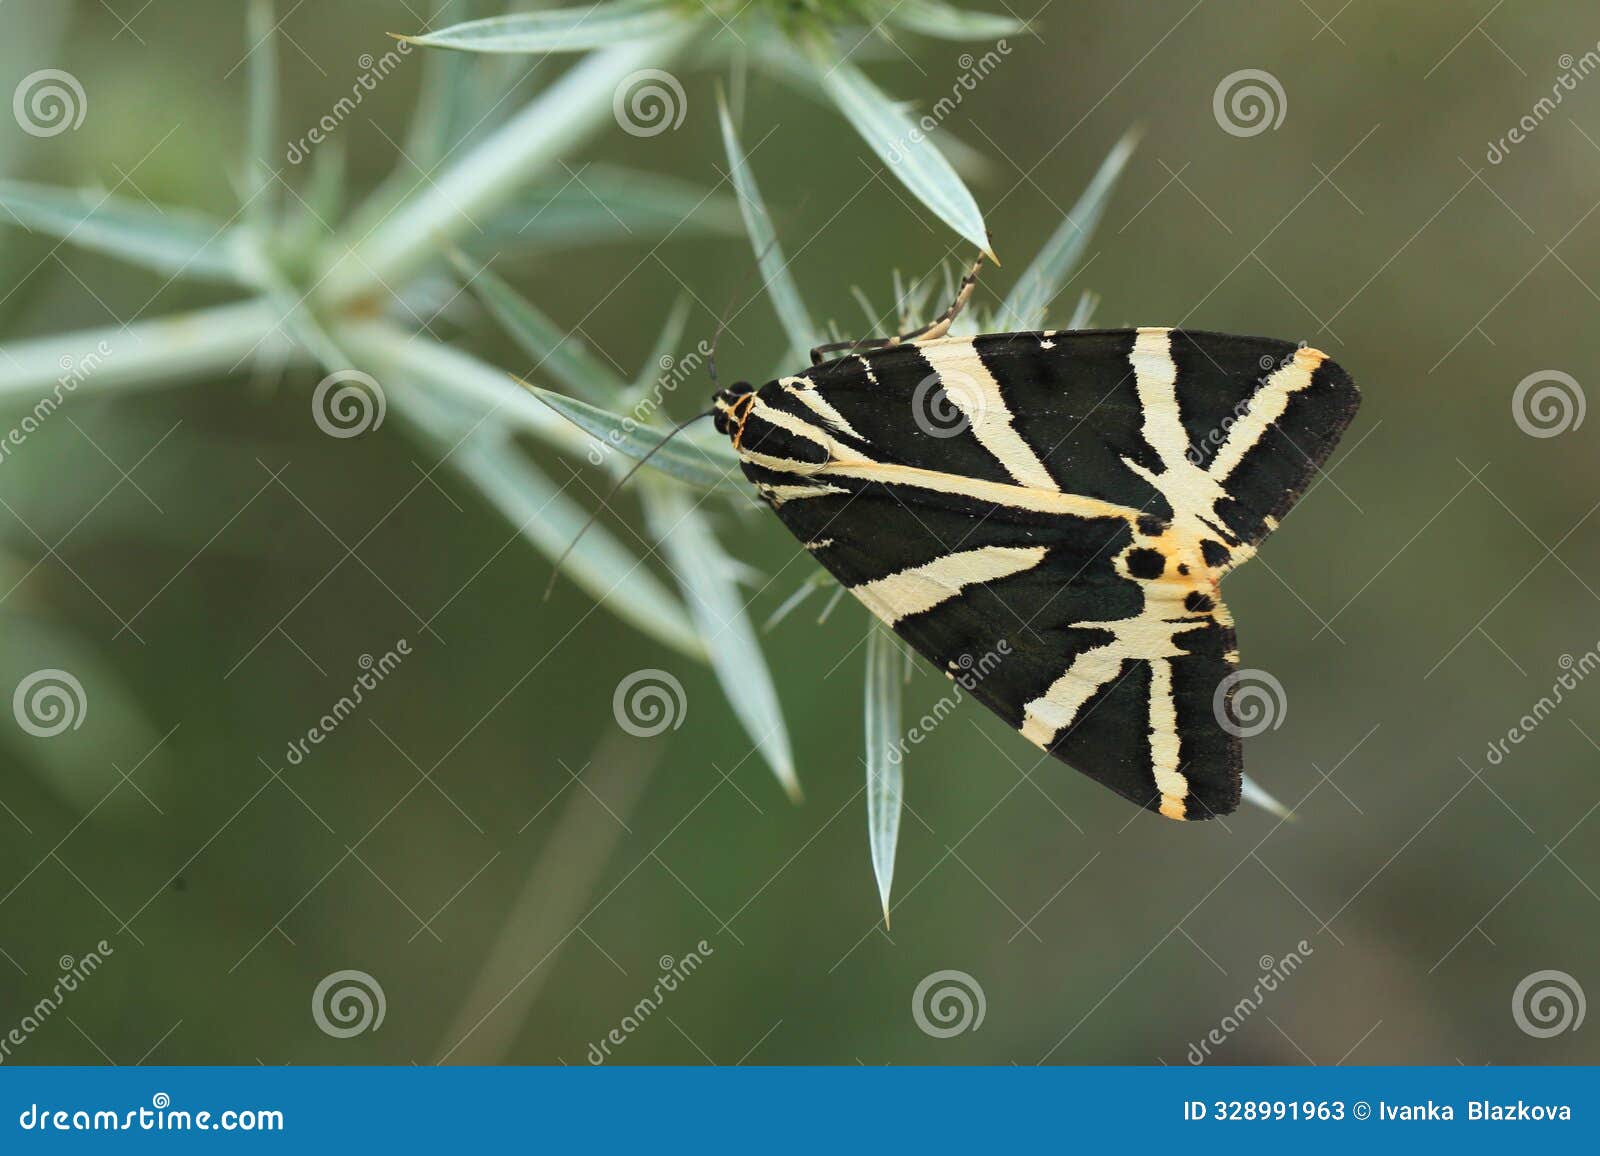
pixel 1146 563
pixel 1077 405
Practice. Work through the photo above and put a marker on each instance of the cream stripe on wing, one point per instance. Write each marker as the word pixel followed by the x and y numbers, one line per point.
pixel 1174 787
pixel 1156 378
pixel 920 588
pixel 801 390
pixel 1266 406
pixel 969 384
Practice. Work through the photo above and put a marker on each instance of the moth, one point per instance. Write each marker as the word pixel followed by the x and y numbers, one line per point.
pixel 1069 499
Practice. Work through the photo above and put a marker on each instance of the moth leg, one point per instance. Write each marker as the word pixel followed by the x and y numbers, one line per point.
pixel 936 328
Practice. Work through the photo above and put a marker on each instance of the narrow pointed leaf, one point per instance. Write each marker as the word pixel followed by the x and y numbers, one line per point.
pixel 555 29
pixel 945 22
pixel 263 132
pixel 563 356
pixel 663 358
pixel 707 465
pixel 1084 313
pixel 1025 305
pixel 885 786
pixel 717 606
pixel 775 275
pixel 1256 795
pixel 173 242
pixel 910 156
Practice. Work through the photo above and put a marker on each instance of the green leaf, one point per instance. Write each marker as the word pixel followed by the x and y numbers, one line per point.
pixel 556 29
pixel 599 203
pixel 263 131
pixel 710 465
pixel 944 22
pixel 598 563
pixel 563 356
pixel 1254 794
pixel 715 603
pixel 885 786
pixel 903 146
pixel 1084 313
pixel 174 242
pixel 780 286
pixel 1024 307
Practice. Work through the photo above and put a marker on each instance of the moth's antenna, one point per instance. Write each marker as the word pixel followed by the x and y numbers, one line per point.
pixel 739 291
pixel 605 502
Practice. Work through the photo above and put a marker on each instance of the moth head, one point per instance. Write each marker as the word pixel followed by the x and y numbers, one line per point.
pixel 728 404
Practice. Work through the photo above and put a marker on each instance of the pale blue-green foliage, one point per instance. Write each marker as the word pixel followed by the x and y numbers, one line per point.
pixel 814 42
pixel 884 756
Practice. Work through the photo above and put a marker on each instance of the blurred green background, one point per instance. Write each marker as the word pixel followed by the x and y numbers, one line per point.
pixel 512 869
